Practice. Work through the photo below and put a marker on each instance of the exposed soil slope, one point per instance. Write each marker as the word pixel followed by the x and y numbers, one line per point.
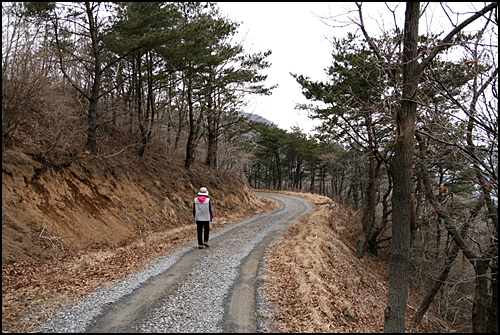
pixel 46 209
pixel 68 230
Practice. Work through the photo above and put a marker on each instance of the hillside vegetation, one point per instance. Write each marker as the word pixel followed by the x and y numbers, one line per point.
pixel 68 230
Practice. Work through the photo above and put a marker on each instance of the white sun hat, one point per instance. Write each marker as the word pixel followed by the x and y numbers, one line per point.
pixel 203 191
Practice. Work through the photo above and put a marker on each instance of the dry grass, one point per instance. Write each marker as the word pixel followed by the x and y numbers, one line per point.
pixel 317 284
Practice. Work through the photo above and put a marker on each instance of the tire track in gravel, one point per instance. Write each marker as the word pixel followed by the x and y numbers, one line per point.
pixel 241 310
pixel 181 298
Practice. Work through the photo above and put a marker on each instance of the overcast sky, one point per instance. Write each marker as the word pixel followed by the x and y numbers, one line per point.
pixel 297 37
pixel 297 40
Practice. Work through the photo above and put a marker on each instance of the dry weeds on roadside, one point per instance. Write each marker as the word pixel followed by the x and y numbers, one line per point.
pixel 317 284
pixel 32 292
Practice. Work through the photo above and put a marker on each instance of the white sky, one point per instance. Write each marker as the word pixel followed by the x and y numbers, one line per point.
pixel 297 37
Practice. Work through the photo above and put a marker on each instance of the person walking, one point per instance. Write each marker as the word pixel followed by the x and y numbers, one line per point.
pixel 202 212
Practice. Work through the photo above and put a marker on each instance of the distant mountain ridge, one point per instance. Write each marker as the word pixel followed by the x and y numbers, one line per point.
pixel 258 118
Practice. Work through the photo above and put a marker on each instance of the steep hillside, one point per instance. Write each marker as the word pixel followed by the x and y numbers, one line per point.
pixel 67 230
pixel 47 210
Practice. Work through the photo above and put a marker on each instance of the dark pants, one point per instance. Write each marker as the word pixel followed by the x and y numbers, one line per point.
pixel 203 225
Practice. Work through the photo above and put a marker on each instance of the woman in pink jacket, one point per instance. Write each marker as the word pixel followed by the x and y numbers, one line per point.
pixel 202 212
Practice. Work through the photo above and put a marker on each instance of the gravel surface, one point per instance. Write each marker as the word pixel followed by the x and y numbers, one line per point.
pixel 200 300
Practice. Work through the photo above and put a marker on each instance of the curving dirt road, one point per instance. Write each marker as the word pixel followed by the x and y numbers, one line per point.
pixel 237 302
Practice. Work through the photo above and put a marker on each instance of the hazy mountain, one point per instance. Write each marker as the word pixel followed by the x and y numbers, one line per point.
pixel 258 118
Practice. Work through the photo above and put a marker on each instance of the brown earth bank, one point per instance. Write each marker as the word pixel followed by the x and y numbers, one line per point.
pixel 67 230
pixel 89 203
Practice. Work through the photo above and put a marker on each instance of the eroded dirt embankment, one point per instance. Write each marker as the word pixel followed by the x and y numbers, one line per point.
pixel 48 209
pixel 67 230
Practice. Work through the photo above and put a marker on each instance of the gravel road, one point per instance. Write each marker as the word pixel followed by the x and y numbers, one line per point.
pixel 215 289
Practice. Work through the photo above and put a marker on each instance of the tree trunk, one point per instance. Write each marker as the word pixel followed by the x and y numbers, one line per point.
pixel 368 219
pixel 149 114
pixel 190 146
pixel 212 133
pixel 373 244
pixel 492 326
pixel 94 94
pixel 92 131
pixel 278 170
pixel 297 175
pixel 139 104
pixel 480 304
pixel 313 173
pixel 401 169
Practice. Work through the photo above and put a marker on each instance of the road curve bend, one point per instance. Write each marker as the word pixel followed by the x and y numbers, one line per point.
pixel 213 289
